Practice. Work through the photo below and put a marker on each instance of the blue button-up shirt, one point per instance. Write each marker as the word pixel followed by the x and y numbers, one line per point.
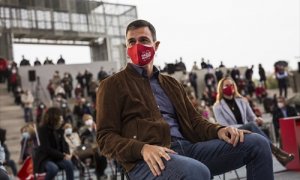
pixel 164 103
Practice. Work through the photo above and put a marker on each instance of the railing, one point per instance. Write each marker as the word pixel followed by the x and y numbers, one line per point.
pixel 93 22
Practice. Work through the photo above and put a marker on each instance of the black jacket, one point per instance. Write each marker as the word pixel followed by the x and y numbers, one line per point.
pixel 277 114
pixel 52 146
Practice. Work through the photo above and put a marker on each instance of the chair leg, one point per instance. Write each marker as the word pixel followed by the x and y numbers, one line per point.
pixel 122 175
pixel 127 176
pixel 237 175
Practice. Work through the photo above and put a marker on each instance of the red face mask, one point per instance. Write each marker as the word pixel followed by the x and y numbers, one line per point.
pixel 141 55
pixel 228 90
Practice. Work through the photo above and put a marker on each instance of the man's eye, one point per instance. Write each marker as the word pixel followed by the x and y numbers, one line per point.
pixel 144 40
pixel 131 42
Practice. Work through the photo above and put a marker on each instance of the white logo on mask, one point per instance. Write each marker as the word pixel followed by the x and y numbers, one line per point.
pixel 146 55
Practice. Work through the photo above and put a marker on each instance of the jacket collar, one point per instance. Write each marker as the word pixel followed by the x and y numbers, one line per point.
pixel 227 109
pixel 140 72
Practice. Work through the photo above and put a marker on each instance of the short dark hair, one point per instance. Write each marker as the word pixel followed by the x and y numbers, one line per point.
pixel 141 23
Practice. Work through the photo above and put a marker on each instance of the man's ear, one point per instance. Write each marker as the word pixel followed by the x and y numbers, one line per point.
pixel 157 43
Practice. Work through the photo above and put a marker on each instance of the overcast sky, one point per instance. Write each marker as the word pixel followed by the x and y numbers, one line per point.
pixel 237 32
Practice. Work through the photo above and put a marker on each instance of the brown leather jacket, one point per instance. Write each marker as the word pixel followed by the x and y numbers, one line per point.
pixel 128 116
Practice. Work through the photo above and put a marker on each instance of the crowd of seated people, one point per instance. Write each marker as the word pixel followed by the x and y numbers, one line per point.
pixel 76 106
pixel 255 92
pixel 78 126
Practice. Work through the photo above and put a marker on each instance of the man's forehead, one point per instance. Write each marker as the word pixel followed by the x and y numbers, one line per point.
pixel 136 33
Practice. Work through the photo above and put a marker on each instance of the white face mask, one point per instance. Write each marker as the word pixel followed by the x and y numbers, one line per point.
pixel 280 105
pixel 68 131
pixel 202 103
pixel 89 122
pixel 25 135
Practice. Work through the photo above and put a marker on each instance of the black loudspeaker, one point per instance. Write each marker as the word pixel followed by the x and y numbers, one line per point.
pixel 298 67
pixel 31 75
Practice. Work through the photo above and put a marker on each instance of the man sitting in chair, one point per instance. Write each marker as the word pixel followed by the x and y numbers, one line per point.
pixel 146 122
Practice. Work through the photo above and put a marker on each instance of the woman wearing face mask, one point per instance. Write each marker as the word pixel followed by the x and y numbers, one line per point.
pixel 28 142
pixel 88 138
pixel 74 142
pixel 88 131
pixel 72 138
pixel 232 109
pixel 53 152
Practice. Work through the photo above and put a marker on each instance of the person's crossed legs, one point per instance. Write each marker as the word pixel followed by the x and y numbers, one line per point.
pixel 178 167
pixel 205 159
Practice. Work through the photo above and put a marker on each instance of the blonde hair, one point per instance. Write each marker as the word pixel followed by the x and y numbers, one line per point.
pixel 67 125
pixel 86 117
pixel 28 128
pixel 220 89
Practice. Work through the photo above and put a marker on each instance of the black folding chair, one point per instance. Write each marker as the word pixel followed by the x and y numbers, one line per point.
pixel 121 170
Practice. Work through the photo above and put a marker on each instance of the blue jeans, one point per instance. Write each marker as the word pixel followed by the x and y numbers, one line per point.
pixel 251 126
pixel 203 160
pixel 28 114
pixel 53 168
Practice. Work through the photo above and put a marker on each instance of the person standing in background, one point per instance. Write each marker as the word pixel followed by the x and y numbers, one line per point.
pixel 282 79
pixel 262 75
pixel 27 100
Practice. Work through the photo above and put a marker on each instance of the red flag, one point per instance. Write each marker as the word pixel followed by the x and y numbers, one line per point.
pixel 26 171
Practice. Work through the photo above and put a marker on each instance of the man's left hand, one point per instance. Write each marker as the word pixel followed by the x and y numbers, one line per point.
pixel 232 135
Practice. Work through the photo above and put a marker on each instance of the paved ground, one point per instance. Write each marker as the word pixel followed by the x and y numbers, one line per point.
pixel 11 118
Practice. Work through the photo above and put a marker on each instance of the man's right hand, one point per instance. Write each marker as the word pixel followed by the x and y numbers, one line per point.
pixel 152 155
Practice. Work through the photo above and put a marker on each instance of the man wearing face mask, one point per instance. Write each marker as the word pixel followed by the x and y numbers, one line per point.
pixel 231 109
pixel 146 122
pixel 282 110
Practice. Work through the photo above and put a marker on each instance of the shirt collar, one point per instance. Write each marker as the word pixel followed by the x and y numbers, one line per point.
pixel 141 71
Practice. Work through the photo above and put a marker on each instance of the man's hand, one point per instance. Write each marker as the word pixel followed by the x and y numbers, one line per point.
pixel 259 121
pixel 232 135
pixel 152 156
